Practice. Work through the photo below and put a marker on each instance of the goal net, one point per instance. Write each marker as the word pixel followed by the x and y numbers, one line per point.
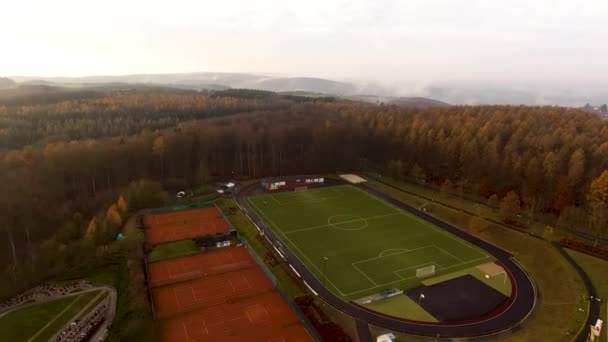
pixel 425 271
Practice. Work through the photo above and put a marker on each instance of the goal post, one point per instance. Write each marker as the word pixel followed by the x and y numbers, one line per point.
pixel 426 271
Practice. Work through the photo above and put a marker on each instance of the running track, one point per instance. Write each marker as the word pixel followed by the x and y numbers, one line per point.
pixel 520 305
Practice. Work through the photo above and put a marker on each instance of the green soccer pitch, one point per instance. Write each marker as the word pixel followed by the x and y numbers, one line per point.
pixel 358 244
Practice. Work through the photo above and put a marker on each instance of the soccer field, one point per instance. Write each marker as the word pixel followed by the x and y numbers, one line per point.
pixel 359 245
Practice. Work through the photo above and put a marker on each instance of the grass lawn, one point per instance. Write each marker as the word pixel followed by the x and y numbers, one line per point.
pixel 358 244
pixel 173 250
pixel 23 324
pixel 557 281
pixel 597 269
pixel 402 306
pixel 74 308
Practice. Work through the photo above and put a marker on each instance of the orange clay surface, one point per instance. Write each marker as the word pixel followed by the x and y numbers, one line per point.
pixel 196 266
pixel 220 295
pixel 184 224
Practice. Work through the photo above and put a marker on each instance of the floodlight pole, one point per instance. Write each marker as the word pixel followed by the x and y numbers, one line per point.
pixel 324 268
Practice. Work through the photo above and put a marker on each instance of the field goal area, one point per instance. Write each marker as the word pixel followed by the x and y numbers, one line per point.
pixel 426 271
pixel 359 245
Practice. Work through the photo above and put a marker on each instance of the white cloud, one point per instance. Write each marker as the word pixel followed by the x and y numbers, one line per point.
pixel 414 39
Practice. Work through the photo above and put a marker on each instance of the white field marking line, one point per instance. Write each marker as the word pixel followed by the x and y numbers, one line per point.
pixel 391 249
pixel 424 222
pixel 194 295
pixel 439 267
pixel 448 253
pixel 298 249
pixel 272 196
pixel 55 318
pixel 186 331
pixel 365 275
pixel 308 200
pixel 396 281
pixel 347 221
pixel 205 325
pixel 403 251
pixel 396 272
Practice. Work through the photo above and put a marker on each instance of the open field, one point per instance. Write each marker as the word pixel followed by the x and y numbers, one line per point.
pixel 171 250
pixel 557 314
pixel 41 322
pixel 358 244
pixel 183 224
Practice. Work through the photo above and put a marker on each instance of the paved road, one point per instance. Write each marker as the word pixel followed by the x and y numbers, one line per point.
pixel 519 306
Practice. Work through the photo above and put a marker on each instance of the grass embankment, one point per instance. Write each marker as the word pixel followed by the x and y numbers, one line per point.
pixel 558 315
pixel 42 321
pixel 597 270
pixel 477 207
pixel 402 306
pixel 22 324
pixel 173 250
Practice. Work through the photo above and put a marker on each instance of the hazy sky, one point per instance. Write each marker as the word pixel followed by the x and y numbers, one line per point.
pixel 406 39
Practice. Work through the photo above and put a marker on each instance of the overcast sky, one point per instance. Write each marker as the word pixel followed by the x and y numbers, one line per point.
pixel 395 40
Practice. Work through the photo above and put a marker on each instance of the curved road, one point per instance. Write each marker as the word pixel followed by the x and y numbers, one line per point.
pixel 516 309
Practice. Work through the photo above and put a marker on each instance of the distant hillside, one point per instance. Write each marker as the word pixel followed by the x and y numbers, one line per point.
pixel 306 84
pixel 40 94
pixel 6 83
pixel 417 102
pixel 44 94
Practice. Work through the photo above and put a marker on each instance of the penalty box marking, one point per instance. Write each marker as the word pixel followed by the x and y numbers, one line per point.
pixel 408 278
pixel 347 221
pixel 396 272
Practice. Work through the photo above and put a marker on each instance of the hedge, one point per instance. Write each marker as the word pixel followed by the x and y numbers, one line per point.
pixel 583 247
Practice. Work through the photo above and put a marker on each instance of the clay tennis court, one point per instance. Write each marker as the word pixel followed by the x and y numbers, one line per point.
pixel 208 291
pixel 261 318
pixel 175 217
pixel 183 224
pixel 196 266
pixel 219 295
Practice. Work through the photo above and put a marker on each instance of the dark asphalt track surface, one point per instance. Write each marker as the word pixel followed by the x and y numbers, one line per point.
pixel 510 315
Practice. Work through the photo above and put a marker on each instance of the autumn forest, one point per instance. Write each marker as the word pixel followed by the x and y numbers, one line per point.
pixel 60 161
